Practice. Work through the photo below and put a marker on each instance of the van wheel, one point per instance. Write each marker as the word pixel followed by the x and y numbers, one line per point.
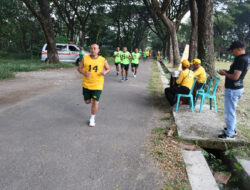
pixel 77 62
pixel 46 60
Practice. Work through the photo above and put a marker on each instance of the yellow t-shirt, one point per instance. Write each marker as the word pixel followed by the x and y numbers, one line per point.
pixel 200 74
pixel 186 78
pixel 95 67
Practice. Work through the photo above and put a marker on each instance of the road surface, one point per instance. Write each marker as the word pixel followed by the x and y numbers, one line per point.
pixel 46 144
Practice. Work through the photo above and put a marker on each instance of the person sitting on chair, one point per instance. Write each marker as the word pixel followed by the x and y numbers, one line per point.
pixel 184 83
pixel 199 72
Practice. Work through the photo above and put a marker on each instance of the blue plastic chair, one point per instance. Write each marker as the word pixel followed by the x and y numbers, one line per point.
pixel 211 95
pixel 202 88
pixel 190 96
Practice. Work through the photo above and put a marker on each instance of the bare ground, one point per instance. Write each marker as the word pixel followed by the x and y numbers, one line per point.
pixel 29 84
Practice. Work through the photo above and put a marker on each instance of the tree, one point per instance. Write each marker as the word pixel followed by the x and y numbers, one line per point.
pixel 156 26
pixel 193 42
pixel 171 13
pixel 205 35
pixel 64 11
pixel 82 11
pixel 43 16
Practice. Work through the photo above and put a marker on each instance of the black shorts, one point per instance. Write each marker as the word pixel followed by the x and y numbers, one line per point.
pixel 117 63
pixel 134 65
pixel 91 94
pixel 126 67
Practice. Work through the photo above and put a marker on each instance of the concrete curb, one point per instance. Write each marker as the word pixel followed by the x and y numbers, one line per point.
pixel 164 80
pixel 199 174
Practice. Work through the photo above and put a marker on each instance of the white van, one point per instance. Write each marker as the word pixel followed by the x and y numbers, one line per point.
pixel 66 53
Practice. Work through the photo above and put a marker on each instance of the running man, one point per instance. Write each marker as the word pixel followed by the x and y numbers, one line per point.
pixel 135 61
pixel 92 69
pixel 125 60
pixel 117 57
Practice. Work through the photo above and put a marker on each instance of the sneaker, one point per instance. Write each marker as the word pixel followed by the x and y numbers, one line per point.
pixel 126 79
pixel 122 79
pixel 235 131
pixel 134 76
pixel 117 74
pixel 224 136
pixel 91 122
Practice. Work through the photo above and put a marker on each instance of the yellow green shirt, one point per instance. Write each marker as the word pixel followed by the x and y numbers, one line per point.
pixel 135 58
pixel 186 78
pixel 125 58
pixel 200 73
pixel 95 67
pixel 117 55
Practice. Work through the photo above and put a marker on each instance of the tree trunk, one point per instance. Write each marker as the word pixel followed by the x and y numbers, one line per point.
pixel 174 41
pixel 71 33
pixel 164 49
pixel 170 50
pixel 205 35
pixel 44 18
pixel 82 41
pixel 194 34
pixel 175 47
pixel 118 35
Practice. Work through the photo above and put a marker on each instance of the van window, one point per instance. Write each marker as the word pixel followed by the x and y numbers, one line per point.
pixel 61 47
pixel 72 48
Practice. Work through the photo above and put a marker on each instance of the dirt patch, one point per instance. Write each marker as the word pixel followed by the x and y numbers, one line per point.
pixel 29 84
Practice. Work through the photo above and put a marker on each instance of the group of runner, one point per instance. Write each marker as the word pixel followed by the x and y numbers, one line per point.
pixel 123 59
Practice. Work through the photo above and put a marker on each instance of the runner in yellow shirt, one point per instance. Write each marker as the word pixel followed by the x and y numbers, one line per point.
pixel 184 83
pixel 93 68
pixel 199 72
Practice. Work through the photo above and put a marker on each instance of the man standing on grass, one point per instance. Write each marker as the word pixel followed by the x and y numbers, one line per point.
pixel 125 60
pixel 234 87
pixel 92 69
pixel 135 61
pixel 117 57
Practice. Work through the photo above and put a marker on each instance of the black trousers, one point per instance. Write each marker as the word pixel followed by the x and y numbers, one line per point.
pixel 172 91
pixel 198 85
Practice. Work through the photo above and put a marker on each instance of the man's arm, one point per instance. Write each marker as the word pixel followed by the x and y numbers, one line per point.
pixel 180 79
pixel 80 67
pixel 106 67
pixel 80 70
pixel 235 76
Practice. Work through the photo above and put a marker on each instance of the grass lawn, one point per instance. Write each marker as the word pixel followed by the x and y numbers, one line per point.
pixel 243 108
pixel 9 66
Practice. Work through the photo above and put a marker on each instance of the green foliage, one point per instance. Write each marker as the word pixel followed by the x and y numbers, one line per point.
pixel 214 163
pixel 185 32
pixel 231 22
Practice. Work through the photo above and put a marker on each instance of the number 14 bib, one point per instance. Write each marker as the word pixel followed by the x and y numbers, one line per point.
pixel 94 67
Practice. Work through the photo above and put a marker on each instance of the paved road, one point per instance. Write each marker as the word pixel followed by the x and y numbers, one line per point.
pixel 46 144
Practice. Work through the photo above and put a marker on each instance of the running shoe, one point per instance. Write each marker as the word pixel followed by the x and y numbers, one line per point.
pixel 91 122
pixel 224 136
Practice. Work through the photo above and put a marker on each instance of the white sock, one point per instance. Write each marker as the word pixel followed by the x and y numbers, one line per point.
pixel 92 117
